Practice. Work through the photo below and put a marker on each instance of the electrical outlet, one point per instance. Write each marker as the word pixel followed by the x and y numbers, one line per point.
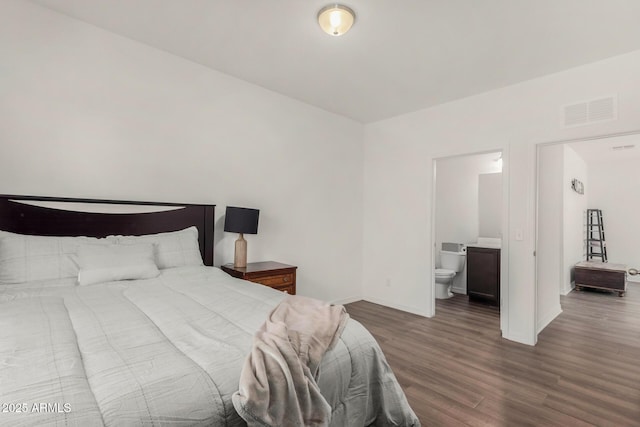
pixel 388 283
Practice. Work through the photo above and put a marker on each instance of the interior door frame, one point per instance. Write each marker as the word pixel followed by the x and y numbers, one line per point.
pixel 504 261
pixel 539 146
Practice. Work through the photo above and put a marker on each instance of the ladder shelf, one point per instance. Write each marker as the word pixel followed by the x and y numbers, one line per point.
pixel 596 245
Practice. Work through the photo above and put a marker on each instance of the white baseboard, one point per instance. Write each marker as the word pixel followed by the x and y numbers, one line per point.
pixel 462 291
pixel 347 300
pixel 413 310
pixel 566 290
pixel 520 339
pixel 551 314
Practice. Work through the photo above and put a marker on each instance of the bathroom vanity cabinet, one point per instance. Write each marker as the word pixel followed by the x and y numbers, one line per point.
pixel 483 274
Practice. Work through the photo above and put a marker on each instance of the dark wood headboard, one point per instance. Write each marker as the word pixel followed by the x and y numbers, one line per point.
pixel 18 216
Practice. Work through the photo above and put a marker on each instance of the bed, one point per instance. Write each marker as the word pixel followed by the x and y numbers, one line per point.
pixel 86 345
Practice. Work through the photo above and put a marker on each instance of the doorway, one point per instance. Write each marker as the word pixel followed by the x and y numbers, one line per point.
pixel 573 176
pixel 469 200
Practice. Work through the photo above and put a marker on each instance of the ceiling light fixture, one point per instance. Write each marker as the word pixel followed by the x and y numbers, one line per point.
pixel 336 19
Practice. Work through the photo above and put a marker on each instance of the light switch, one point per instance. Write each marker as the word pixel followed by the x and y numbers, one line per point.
pixel 519 235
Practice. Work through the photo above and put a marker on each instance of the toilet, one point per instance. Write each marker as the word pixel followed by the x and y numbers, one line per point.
pixel 452 259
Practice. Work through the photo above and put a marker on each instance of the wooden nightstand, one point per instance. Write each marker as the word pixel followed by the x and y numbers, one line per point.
pixel 269 273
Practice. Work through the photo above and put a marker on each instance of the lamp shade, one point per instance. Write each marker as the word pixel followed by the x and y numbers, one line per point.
pixel 241 220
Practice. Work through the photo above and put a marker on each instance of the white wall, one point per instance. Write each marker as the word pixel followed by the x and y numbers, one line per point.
pixel 457 202
pixel 86 113
pixel 561 213
pixel 561 229
pixel 614 187
pixel 574 215
pixel 549 267
pixel 398 178
pixel 490 205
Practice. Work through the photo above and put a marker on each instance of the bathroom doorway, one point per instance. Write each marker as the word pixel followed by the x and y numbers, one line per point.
pixel 467 211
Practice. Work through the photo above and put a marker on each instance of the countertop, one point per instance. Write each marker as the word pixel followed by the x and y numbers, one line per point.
pixel 486 242
pixel 485 245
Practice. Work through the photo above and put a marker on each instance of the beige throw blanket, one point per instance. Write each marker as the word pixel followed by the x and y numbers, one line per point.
pixel 278 381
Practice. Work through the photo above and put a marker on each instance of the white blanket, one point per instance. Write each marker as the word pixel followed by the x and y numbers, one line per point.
pixel 163 351
pixel 278 381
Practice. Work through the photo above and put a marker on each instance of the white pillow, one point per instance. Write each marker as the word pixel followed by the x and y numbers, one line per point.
pixel 173 249
pixel 108 263
pixel 25 258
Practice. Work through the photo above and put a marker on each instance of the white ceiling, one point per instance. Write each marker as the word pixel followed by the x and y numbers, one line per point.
pixel 400 56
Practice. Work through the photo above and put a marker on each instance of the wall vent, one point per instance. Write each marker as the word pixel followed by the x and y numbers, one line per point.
pixel 623 147
pixel 593 111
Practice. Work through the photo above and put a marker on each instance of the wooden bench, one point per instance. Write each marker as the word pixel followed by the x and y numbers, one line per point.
pixel 601 275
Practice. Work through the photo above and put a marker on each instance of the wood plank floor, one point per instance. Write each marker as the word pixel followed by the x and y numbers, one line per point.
pixel 456 369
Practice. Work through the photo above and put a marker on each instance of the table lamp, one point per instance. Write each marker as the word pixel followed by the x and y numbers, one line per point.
pixel 241 220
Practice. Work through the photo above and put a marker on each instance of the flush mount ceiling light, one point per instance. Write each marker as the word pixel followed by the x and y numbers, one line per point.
pixel 336 19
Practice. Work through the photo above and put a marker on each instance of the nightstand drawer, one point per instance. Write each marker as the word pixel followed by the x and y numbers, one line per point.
pixel 281 277
pixel 288 289
pixel 275 281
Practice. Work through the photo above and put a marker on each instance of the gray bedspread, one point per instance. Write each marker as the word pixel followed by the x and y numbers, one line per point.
pixel 163 351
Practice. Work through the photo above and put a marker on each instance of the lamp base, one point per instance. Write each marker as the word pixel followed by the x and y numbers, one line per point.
pixel 240 256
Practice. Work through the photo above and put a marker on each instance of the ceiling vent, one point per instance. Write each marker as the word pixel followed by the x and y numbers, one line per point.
pixel 594 111
pixel 623 147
